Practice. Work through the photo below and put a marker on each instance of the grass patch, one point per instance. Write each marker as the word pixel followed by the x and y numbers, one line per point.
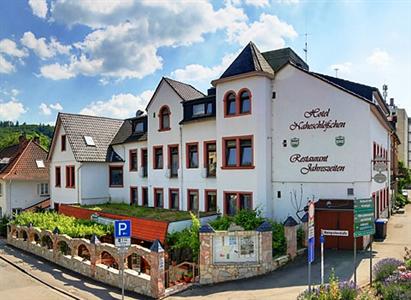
pixel 152 213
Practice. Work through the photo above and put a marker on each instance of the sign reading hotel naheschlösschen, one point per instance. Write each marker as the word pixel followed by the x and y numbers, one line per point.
pixel 363 217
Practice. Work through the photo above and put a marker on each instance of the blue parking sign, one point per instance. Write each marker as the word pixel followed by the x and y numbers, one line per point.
pixel 122 229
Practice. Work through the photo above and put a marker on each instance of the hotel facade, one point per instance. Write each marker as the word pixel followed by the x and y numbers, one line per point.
pixel 270 135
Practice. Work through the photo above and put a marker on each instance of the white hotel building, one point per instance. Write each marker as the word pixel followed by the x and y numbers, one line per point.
pixel 269 130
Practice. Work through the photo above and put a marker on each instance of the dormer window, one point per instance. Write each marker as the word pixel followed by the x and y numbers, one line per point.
pixel 164 116
pixel 202 109
pixel 230 104
pixel 139 127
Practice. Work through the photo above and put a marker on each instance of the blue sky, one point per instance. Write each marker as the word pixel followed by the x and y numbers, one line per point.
pixel 107 57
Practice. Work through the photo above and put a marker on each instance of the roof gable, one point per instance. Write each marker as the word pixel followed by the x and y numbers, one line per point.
pixel 101 129
pixel 183 90
pixel 249 60
pixel 23 165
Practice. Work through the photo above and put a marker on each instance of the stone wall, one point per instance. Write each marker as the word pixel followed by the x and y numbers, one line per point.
pixel 49 246
pixel 213 272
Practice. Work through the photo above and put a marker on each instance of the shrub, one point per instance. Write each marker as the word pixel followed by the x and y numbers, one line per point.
pixel 396 292
pixel 3 225
pixel 67 225
pixel 249 219
pixel 385 268
pixel 279 241
pixel 400 200
pixel 221 223
pixel 187 238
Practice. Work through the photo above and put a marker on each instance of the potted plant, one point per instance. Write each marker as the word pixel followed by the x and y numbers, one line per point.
pixel 188 277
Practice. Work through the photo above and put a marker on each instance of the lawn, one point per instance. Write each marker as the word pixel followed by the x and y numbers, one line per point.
pixel 144 212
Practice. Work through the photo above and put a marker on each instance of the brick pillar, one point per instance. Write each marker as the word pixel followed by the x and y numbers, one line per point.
pixel 290 232
pixel 157 270
pixel 206 236
pixel 266 246
pixel 94 254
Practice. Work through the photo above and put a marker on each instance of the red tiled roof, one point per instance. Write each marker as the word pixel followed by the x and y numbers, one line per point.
pixel 22 164
pixel 142 229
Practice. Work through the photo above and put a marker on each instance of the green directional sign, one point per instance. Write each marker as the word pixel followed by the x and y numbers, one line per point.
pixel 363 217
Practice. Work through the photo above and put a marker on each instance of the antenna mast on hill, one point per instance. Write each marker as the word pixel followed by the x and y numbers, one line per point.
pixel 336 72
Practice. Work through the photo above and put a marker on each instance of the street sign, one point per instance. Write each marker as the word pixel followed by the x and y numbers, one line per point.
pixel 311 212
pixel 335 232
pixel 311 252
pixel 122 239
pixel 380 178
pixel 122 233
pixel 363 217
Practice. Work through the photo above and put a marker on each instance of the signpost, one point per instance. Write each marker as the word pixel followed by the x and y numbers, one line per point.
pixel 122 240
pixel 311 240
pixel 363 225
pixel 322 240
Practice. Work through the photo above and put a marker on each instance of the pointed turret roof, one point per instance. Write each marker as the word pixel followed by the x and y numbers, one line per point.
pixel 249 60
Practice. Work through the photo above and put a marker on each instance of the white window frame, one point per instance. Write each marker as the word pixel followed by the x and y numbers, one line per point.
pixel 43 189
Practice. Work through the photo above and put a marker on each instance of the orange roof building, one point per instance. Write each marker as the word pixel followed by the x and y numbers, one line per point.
pixel 24 176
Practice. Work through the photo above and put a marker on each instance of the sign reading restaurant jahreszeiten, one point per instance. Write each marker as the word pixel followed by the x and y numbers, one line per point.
pixel 317 119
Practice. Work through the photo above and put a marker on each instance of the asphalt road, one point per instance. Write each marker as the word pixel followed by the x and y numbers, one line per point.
pixel 16 285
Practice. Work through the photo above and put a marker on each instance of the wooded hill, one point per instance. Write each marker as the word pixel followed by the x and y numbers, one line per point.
pixel 10 132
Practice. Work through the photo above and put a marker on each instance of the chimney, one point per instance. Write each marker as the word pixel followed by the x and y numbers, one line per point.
pixel 139 113
pixel 392 102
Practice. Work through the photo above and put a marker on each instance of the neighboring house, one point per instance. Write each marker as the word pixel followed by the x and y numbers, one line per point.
pixel 269 131
pixel 79 153
pixel 24 176
pixel 400 118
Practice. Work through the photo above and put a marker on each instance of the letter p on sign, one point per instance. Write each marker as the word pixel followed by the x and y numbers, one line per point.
pixel 122 228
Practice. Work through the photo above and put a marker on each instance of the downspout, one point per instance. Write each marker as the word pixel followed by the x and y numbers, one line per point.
pixel 390 159
pixel 11 210
pixel 180 199
pixel 78 184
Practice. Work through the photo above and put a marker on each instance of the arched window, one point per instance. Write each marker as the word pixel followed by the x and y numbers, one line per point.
pixel 245 102
pixel 230 104
pixel 164 117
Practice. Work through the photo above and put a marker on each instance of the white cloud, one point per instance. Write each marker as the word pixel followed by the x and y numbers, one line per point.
pixel 6 67
pixel 379 58
pixel 14 92
pixel 48 109
pixel 127 34
pixel 9 47
pixel 288 2
pixel 119 106
pixel 39 8
pixel 344 68
pixel 43 49
pixel 11 110
pixel 268 33
pixel 57 106
pixel 200 75
pixel 257 3
pixel 56 71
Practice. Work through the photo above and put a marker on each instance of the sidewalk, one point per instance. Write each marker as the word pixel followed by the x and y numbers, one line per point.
pixel 70 282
